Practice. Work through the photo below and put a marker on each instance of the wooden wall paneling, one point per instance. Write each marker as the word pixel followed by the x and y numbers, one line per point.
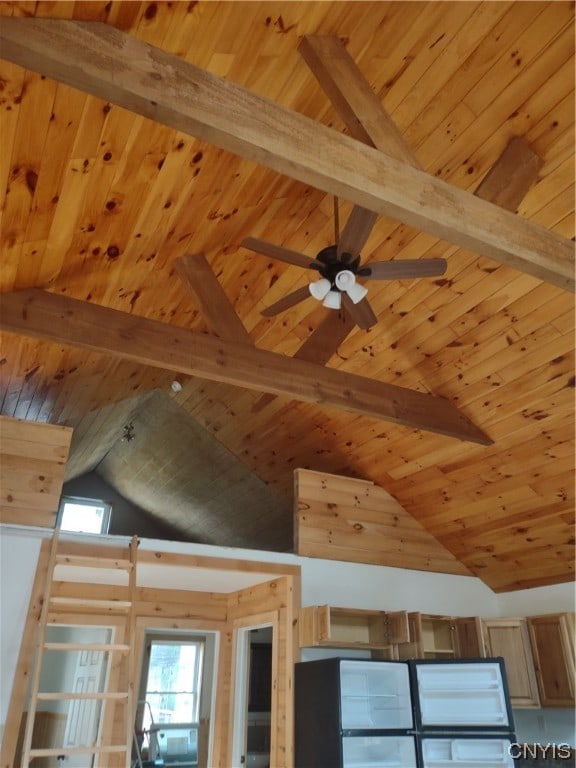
pixel 330 524
pixel 31 471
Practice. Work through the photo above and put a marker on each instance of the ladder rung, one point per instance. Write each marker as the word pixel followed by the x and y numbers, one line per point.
pixel 69 695
pixel 118 605
pixel 86 561
pixel 87 647
pixel 56 751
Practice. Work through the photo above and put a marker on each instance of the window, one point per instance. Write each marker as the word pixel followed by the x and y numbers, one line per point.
pixel 84 515
pixel 173 682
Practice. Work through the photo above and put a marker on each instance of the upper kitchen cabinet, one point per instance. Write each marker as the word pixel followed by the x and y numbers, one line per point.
pixel 325 625
pixel 552 639
pixel 445 637
pixel 509 639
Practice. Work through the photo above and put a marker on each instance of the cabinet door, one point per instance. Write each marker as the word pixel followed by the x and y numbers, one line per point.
pixel 509 638
pixel 552 644
pixel 469 643
pixel 397 629
pixel 413 649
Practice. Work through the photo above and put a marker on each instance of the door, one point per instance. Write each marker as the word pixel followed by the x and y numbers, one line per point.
pixel 469 638
pixel 462 695
pixel 552 643
pixel 509 639
pixel 83 717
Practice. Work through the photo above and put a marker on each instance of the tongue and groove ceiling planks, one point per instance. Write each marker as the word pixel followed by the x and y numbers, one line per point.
pixel 102 205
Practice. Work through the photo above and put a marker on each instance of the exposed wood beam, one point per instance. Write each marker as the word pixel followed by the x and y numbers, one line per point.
pixel 107 63
pixel 506 184
pixel 214 305
pixel 351 96
pixel 512 175
pixel 64 320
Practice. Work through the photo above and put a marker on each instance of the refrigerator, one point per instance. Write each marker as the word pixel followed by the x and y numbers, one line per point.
pixel 364 713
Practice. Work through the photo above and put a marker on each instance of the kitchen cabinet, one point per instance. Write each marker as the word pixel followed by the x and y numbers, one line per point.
pixel 391 634
pixel 446 637
pixel 354 628
pixel 509 639
pixel 552 640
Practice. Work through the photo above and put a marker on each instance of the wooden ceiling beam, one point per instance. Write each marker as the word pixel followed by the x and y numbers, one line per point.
pixel 103 61
pixel 215 307
pixel 63 320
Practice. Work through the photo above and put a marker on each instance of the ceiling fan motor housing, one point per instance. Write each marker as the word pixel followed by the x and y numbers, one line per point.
pixel 330 265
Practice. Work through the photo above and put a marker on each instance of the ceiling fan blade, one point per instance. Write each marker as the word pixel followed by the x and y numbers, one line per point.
pixel 403 269
pixel 356 231
pixel 287 301
pixel 324 341
pixel 277 252
pixel 362 313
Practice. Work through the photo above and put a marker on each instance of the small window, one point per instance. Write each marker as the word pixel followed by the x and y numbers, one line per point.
pixel 84 515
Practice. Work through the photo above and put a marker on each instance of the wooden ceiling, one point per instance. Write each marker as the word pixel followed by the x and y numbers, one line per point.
pixel 99 204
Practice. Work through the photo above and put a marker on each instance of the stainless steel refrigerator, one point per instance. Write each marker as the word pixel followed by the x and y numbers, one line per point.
pixel 353 713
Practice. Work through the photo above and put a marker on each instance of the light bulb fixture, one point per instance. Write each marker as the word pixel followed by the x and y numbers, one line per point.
pixel 346 281
pixel 356 293
pixel 333 300
pixel 319 288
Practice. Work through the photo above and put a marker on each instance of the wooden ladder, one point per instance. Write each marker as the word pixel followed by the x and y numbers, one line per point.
pixel 97 607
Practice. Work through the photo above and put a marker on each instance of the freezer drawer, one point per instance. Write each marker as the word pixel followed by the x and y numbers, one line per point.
pixel 375 695
pixel 379 752
pixel 467 752
pixel 462 695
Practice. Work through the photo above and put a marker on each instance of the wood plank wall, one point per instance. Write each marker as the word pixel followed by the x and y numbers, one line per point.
pixel 343 518
pixel 32 465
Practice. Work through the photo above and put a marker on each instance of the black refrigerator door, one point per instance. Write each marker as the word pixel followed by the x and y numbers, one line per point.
pixel 461 696
pixel 353 712
pixel 317 733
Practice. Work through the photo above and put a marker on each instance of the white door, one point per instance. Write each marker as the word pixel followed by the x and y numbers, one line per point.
pixel 84 714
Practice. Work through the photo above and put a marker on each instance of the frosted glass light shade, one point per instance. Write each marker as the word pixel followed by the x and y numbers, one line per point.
pixel 356 292
pixel 346 281
pixel 333 300
pixel 319 288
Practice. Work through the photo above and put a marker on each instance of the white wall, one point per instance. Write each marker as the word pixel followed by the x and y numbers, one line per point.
pixel 532 602
pixel 323 582
pixel 18 558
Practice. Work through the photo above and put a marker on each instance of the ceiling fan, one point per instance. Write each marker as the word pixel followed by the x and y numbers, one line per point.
pixel 339 267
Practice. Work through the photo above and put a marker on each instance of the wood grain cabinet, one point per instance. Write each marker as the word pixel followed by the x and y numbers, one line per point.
pixel 446 637
pixel 509 638
pixel 354 628
pixel 552 640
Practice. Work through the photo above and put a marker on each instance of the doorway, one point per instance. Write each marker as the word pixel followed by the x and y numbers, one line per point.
pixel 176 698
pixel 252 731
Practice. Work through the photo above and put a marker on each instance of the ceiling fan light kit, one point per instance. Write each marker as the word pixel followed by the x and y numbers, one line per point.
pixel 333 300
pixel 319 288
pixel 346 281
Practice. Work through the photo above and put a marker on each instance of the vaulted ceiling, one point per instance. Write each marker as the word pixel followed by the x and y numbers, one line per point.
pixel 458 134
